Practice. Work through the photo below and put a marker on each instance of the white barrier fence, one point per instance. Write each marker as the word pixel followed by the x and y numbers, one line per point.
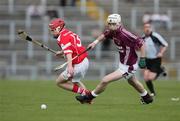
pixel 13 68
pixel 16 65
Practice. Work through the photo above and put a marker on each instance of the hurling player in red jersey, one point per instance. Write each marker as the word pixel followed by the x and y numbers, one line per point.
pixel 127 44
pixel 70 43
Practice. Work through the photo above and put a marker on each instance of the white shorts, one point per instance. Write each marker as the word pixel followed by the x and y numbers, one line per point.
pixel 79 71
pixel 124 70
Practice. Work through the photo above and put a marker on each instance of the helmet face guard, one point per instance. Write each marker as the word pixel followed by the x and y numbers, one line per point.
pixel 113 21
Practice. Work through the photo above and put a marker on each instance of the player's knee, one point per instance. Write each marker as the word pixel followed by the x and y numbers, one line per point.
pixel 145 78
pixel 59 81
pixel 151 78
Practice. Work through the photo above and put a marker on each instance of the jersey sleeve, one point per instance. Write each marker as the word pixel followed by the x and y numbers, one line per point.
pixel 135 40
pixel 161 40
pixel 139 42
pixel 66 45
pixel 107 33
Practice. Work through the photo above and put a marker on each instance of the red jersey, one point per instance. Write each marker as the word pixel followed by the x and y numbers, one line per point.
pixel 71 43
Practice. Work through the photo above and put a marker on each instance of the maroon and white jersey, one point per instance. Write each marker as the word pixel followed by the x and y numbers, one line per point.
pixel 127 44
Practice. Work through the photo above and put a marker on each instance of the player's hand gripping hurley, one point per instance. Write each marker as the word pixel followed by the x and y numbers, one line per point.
pixel 63 65
pixel 23 35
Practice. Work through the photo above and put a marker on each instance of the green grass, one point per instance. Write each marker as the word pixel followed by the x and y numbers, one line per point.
pixel 21 100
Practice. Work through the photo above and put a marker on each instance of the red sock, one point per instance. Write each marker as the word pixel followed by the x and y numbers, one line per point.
pixel 75 88
pixel 79 90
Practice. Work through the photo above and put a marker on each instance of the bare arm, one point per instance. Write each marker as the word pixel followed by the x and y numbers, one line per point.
pixel 60 53
pixel 142 51
pixel 161 52
pixel 99 39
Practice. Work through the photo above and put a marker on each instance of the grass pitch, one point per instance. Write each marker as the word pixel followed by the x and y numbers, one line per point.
pixel 21 100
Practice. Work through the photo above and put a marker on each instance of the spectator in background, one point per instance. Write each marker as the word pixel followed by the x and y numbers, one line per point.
pixel 35 10
pixel 157 20
pixel 146 17
pixel 166 21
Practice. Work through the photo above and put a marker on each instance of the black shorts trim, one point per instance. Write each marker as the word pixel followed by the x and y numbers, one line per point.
pixel 154 65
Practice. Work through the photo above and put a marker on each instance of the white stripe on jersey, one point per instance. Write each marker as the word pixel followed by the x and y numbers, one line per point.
pixel 68 51
pixel 73 36
pixel 67 33
pixel 160 38
pixel 129 33
pixel 59 38
pixel 127 55
pixel 65 46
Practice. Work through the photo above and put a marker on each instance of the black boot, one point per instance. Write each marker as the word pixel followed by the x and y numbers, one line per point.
pixel 146 99
pixel 85 98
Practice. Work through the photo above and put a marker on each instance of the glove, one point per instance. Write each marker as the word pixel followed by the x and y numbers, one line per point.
pixel 142 62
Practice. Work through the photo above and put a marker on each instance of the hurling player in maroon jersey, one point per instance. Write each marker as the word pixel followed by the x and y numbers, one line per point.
pixel 127 44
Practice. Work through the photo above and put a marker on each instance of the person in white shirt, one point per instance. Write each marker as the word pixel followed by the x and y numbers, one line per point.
pixel 155 46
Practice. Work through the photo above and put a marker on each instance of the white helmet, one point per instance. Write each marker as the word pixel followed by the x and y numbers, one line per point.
pixel 114 21
pixel 114 18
